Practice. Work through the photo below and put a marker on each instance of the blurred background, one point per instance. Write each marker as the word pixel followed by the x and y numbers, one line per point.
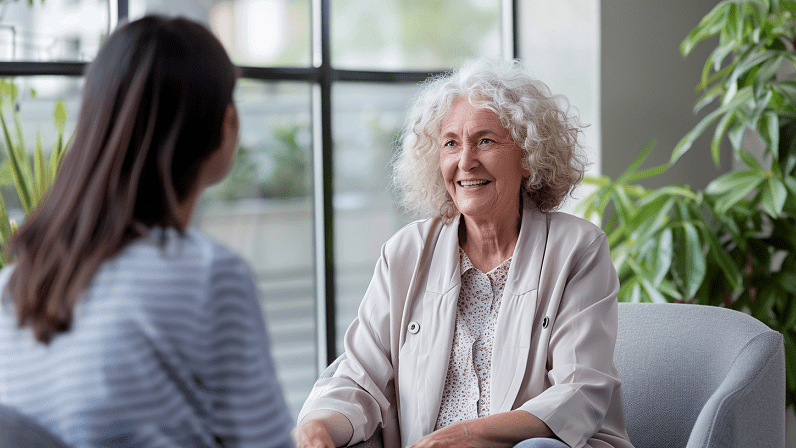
pixel 323 91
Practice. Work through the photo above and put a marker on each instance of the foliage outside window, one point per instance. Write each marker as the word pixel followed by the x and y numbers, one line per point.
pixel 30 176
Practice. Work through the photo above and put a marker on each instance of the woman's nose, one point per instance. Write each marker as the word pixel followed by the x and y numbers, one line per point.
pixel 468 158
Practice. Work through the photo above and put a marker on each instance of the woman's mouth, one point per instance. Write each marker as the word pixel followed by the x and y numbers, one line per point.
pixel 472 183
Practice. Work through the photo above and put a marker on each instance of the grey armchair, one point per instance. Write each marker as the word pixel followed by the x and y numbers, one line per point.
pixel 693 376
pixel 20 431
pixel 700 376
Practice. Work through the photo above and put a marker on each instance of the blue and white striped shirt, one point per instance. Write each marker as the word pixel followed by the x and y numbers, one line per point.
pixel 167 349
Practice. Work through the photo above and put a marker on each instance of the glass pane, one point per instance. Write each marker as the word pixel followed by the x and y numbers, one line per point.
pixel 69 30
pixel 33 100
pixel 560 44
pixel 263 210
pixel 366 119
pixel 254 32
pixel 413 34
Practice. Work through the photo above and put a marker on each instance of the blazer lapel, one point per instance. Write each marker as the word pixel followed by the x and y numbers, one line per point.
pixel 517 313
pixel 438 305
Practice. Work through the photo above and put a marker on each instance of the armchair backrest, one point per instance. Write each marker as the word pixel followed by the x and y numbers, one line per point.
pixel 700 376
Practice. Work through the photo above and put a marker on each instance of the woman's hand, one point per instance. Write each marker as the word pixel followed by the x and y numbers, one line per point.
pixel 312 434
pixel 323 429
pixel 504 429
pixel 456 435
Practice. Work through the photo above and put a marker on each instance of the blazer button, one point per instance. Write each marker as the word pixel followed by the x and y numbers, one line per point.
pixel 414 327
pixel 545 322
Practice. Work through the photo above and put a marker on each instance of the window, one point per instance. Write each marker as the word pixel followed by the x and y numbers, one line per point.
pixel 323 91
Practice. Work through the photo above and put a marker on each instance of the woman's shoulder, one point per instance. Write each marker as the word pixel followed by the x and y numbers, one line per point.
pixel 571 226
pixel 418 232
pixel 166 261
pixel 166 248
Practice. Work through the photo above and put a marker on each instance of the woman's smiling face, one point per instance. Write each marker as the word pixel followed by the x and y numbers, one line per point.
pixel 480 163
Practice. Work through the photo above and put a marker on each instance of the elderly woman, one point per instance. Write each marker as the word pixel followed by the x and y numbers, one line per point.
pixel 492 323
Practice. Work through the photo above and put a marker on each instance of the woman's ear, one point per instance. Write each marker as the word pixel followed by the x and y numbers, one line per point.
pixel 217 166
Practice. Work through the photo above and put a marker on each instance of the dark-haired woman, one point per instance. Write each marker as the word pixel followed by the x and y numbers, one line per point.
pixel 119 326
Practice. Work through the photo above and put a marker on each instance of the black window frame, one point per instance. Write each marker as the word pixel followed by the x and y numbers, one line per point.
pixel 322 76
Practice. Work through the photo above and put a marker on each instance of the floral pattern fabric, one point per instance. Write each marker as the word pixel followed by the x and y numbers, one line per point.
pixel 467 392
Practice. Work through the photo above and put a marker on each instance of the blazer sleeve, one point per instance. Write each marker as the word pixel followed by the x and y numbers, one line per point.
pixel 581 373
pixel 362 387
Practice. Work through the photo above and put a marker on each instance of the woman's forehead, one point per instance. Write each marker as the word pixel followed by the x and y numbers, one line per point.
pixel 463 113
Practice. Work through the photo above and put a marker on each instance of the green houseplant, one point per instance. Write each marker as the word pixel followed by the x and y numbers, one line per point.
pixel 31 174
pixel 733 244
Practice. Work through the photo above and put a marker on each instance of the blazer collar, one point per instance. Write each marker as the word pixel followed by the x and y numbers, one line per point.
pixel 526 262
pixel 444 269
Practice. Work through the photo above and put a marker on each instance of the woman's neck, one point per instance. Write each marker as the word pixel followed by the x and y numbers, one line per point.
pixel 488 243
pixel 185 209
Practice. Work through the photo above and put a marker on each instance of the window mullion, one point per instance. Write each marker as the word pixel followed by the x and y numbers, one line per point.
pixel 323 213
pixel 508 27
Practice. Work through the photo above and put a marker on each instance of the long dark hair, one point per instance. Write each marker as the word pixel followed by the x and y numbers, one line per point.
pixel 152 110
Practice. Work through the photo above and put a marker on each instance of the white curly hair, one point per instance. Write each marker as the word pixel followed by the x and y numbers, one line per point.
pixel 538 121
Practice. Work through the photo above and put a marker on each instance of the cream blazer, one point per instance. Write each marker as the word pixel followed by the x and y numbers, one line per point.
pixel 554 337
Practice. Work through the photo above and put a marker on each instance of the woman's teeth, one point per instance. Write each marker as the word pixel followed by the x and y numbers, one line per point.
pixel 472 183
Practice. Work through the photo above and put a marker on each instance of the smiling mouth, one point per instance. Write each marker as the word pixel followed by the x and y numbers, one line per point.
pixel 472 183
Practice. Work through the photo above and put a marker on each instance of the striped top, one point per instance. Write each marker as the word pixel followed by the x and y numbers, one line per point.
pixel 167 349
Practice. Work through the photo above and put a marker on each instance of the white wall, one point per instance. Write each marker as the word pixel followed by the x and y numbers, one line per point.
pixel 560 44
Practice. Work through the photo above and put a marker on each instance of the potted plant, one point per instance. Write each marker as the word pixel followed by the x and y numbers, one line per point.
pixel 31 174
pixel 734 243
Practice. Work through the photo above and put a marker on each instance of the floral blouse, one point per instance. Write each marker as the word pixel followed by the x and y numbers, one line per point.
pixel 466 394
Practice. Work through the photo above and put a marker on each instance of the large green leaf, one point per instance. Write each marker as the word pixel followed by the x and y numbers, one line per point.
pixel 685 143
pixel 651 218
pixel 733 181
pixel 719 255
pixel 692 264
pixel 768 128
pixel 636 163
pixel 665 252
pixel 721 129
pixel 772 196
pixel 711 24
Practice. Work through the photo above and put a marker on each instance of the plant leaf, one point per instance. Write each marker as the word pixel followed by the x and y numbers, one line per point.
pixel 665 253
pixel 59 115
pixel 721 128
pixel 636 162
pixel 685 143
pixel 773 197
pixel 768 129
pixel 733 181
pixel 710 24
pixel 750 160
pixel 16 169
pixel 39 172
pixel 694 260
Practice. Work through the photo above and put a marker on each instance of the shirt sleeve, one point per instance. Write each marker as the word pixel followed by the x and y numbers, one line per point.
pixel 362 387
pixel 246 401
pixel 582 375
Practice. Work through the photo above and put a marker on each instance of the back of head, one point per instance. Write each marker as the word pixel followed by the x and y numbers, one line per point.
pixel 153 105
pixel 154 101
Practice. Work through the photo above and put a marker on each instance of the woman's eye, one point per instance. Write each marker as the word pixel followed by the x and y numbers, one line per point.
pixel 449 143
pixel 485 141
